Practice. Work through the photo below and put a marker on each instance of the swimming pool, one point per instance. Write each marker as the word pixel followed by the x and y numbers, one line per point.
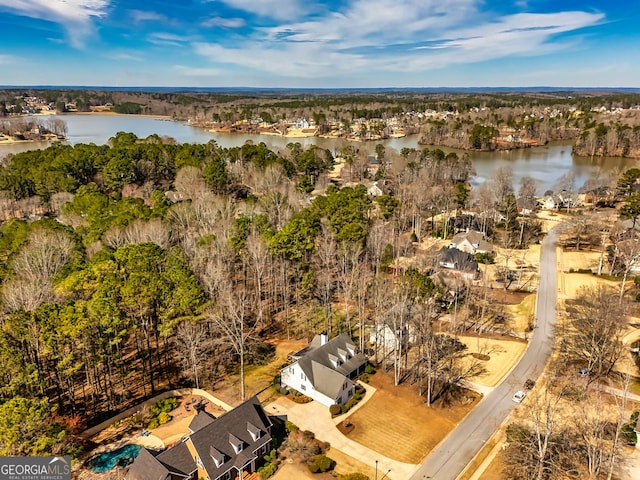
pixel 122 456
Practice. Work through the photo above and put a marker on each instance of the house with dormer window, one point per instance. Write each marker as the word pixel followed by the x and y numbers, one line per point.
pixel 471 242
pixel 326 369
pixel 223 448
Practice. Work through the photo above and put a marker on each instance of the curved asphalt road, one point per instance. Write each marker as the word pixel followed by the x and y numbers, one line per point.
pixel 453 454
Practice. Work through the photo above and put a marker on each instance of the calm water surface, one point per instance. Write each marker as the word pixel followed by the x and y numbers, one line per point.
pixel 545 164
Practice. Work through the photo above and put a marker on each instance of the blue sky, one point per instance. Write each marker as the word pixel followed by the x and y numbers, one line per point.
pixel 308 43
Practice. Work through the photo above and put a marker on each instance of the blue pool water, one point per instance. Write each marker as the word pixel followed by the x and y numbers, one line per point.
pixel 105 461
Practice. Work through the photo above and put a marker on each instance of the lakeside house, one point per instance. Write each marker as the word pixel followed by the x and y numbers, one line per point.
pixel 325 370
pixel 559 200
pixel 222 448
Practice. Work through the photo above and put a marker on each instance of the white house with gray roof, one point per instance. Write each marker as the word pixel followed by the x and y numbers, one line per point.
pixel 326 369
pixel 471 242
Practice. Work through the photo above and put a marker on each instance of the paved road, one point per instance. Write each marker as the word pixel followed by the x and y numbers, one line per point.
pixel 453 454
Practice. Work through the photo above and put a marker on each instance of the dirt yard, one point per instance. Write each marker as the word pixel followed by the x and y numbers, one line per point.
pixel 257 378
pixel 396 422
pixel 290 470
pixel 178 427
pixel 503 355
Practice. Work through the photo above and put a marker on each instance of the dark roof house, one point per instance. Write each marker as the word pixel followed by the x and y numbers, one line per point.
pixel 454 259
pixel 218 448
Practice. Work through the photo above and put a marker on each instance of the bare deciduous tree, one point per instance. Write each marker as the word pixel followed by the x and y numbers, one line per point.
pixel 258 253
pixel 232 321
pixel 598 320
pixel 325 260
pixel 190 183
pixel 35 266
pixel 191 340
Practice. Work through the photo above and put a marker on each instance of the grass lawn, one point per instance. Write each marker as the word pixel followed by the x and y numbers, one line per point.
pixel 346 464
pixel 503 355
pixel 495 469
pixel 635 387
pixel 397 423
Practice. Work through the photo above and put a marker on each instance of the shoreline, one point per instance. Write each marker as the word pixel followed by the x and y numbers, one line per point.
pixel 301 135
pixel 13 141
pixel 116 114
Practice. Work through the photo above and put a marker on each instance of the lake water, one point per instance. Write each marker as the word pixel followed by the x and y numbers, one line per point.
pixel 545 164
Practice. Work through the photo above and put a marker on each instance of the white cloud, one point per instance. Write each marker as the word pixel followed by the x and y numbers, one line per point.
pixel 277 9
pixel 139 16
pixel 169 39
pixel 75 15
pixel 380 22
pixel 129 57
pixel 369 36
pixel 5 59
pixel 223 22
pixel 298 60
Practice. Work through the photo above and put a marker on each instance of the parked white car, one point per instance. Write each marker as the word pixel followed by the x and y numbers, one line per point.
pixel 519 396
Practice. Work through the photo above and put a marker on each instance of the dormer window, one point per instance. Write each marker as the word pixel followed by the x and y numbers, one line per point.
pixel 254 431
pixel 217 456
pixel 336 361
pixel 236 443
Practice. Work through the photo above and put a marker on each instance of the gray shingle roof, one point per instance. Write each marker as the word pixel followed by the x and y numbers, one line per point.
pixel 231 425
pixel 326 366
pixel 178 459
pixel 202 419
pixel 340 348
pixel 212 438
pixel 460 260
pixel 475 238
pixel 147 467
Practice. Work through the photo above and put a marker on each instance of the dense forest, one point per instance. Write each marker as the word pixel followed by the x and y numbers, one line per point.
pixel 140 265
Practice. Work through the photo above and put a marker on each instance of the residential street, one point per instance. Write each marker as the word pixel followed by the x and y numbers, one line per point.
pixel 452 455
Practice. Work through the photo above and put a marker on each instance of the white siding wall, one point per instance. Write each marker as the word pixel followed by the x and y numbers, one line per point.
pixel 292 376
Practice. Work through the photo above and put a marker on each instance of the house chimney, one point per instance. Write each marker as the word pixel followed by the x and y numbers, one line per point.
pixel 324 338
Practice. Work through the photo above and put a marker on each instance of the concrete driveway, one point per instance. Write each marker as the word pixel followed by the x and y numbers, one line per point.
pixel 316 418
